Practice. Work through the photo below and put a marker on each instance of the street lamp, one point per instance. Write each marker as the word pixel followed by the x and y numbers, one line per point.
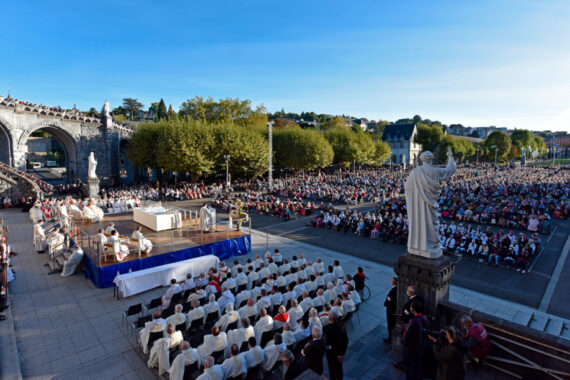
pixel 227 158
pixel 495 147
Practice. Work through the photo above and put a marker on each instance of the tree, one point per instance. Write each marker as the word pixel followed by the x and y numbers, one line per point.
pixel 523 138
pixel 171 114
pixel 161 113
pixel 132 107
pixel 382 152
pixel 430 138
pixel 499 139
pixel 343 144
pixel 540 146
pixel 93 112
pixel 301 149
pixel 117 111
pixel 285 123
pixel 332 123
pixel 153 108
pixel 142 147
pixel 462 149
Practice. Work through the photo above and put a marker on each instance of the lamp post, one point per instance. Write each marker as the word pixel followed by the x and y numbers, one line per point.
pixel 495 147
pixel 227 158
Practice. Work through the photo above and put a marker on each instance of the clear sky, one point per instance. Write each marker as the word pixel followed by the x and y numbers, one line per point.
pixel 479 63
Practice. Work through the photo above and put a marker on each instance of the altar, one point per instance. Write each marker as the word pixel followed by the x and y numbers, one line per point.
pixel 157 218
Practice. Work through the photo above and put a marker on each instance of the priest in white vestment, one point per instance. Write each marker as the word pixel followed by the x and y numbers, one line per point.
pixel 226 298
pixel 207 218
pixel 288 336
pixel 249 310
pixel 187 356
pixel 160 351
pixel 36 213
pixel 157 324
pixel 263 324
pixel 40 240
pixel 211 371
pixel 89 214
pixel 422 201
pixel 253 356
pixel 63 214
pixel 120 250
pixel 144 244
pixel 235 365
pixel 110 228
pixel 230 316
pixel 212 306
pixel 72 261
pixel 96 210
pixel 295 313
pixel 177 318
pixel 236 336
pixel 214 342
pixel 197 312
pixel 272 352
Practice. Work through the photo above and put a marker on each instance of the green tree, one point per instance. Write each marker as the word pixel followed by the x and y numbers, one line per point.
pixel 301 149
pixel 462 149
pixel 343 144
pixel 540 146
pixel 93 112
pixel 499 139
pixel 523 138
pixel 333 123
pixel 285 123
pixel 171 114
pixel 153 108
pixel 142 147
pixel 132 107
pixel 161 113
pixel 382 152
pixel 431 138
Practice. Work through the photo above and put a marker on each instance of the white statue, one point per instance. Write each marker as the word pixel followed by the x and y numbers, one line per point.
pixel 422 194
pixel 92 166
pixel 106 109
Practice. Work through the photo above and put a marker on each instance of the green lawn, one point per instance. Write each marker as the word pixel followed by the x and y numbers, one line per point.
pixel 558 161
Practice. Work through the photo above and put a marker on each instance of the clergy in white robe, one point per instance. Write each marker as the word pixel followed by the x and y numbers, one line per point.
pixel 288 336
pixel 207 218
pixel 422 201
pixel 247 329
pixel 72 261
pixel 189 283
pixel 187 356
pixel 144 244
pixel 120 250
pixel 214 342
pixel 63 214
pixel 295 313
pixel 229 317
pixel 212 306
pixel 97 210
pixel 160 351
pixel 36 213
pixel 177 318
pixel 56 243
pixel 272 352
pixel 211 371
pixel 90 215
pixel 236 336
pixel 156 325
pixel 329 294
pixel 306 303
pixel 110 228
pixel 263 324
pixel 235 365
pixel 227 298
pixel 40 240
pixel 253 356
pixel 197 312
pixel 249 310
pixel 230 283
pixel 197 294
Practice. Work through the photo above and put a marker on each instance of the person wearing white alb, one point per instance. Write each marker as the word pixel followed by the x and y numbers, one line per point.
pixel 244 295
pixel 329 294
pixel 211 371
pixel 189 283
pixel 230 316
pixel 288 335
pixel 187 357
pixel 252 277
pixel 277 257
pixel 295 313
pixel 241 278
pixel 229 284
pixel 197 312
pixel 172 290
pixel 177 318
pixel 319 266
pixel 235 268
pixel 337 270
pixel 235 365
pixel 212 306
pixel 319 300
pixel 272 352
pixel 306 303
pixel 156 325
pixel 249 310
pixel 214 342
pixel 263 324
pixel 160 351
pixel 253 356
pixel 264 301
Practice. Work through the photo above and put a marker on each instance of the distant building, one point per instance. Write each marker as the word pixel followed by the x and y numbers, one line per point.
pixel 146 116
pixel 400 137
pixel 363 123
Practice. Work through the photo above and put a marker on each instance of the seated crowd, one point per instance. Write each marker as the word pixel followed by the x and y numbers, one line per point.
pixel 243 321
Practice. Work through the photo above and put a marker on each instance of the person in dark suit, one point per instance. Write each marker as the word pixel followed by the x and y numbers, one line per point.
pixel 336 345
pixel 390 304
pixel 407 313
pixel 314 351
pixel 295 366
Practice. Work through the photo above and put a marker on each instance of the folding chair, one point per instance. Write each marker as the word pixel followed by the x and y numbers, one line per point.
pixel 132 310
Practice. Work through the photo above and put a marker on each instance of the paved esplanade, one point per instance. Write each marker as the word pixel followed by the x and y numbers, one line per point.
pixel 67 328
pixel 78 134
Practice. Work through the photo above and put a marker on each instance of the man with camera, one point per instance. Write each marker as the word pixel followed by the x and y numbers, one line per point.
pixel 450 354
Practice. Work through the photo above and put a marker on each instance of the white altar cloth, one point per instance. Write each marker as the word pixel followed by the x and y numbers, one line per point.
pixel 146 279
pixel 157 218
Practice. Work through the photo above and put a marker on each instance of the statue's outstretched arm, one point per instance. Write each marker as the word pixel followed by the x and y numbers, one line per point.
pixel 448 171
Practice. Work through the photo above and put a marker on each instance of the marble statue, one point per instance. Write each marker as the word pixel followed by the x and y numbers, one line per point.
pixel 106 109
pixel 422 195
pixel 92 166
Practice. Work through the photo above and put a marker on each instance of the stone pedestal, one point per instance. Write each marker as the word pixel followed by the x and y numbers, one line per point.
pixel 93 185
pixel 431 279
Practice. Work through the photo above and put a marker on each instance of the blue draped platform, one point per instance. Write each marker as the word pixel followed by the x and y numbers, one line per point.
pixel 103 277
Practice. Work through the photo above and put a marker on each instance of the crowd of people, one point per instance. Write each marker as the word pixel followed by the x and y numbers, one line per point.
pixel 253 318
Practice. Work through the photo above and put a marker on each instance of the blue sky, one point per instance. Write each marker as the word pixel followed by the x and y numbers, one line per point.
pixel 504 63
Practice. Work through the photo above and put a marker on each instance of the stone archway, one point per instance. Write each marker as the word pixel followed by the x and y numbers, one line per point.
pixel 68 142
pixel 6 152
